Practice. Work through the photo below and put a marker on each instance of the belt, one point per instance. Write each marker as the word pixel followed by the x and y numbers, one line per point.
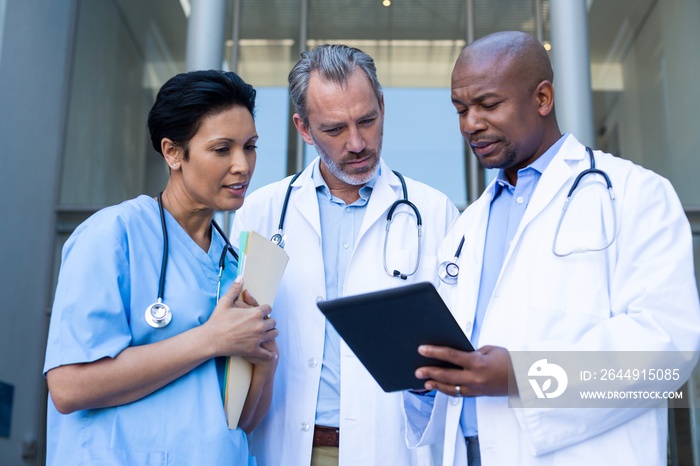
pixel 326 436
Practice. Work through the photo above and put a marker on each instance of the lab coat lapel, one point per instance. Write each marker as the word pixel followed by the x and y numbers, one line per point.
pixel 472 258
pixel 305 200
pixel 383 195
pixel 553 180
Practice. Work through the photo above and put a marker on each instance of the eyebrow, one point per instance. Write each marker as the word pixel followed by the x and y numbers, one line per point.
pixel 225 139
pixel 332 125
pixel 478 99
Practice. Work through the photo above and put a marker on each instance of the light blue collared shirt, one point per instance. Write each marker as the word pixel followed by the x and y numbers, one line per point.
pixel 340 225
pixel 508 206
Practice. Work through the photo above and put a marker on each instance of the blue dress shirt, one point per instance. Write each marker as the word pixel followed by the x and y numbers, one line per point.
pixel 508 206
pixel 340 225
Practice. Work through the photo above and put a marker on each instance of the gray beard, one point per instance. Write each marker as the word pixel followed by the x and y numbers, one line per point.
pixel 351 179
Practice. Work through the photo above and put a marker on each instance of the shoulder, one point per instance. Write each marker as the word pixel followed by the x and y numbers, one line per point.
pixel 631 179
pixel 113 223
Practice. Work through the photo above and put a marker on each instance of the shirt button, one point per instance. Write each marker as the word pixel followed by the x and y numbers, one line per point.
pixel 346 245
pixel 319 299
pixel 313 362
pixel 305 426
pixel 519 200
pixel 468 327
pixel 454 401
pixel 348 209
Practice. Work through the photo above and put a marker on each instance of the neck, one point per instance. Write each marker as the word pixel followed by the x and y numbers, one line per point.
pixel 349 193
pixel 195 221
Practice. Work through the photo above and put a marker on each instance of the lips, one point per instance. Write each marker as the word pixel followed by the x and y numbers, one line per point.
pixel 364 159
pixel 237 188
pixel 483 148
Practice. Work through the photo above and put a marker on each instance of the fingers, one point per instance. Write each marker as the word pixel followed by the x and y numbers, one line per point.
pixel 481 372
pixel 249 299
pixel 269 324
pixel 233 293
pixel 449 389
pixel 457 357
pixel 445 379
pixel 440 375
pixel 265 354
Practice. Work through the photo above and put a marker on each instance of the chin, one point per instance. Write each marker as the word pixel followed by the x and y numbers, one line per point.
pixel 230 205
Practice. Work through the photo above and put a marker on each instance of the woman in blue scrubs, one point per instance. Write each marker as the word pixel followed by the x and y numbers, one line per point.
pixel 123 392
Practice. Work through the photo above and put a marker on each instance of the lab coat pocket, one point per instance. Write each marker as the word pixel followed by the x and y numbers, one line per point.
pixel 547 325
pixel 574 284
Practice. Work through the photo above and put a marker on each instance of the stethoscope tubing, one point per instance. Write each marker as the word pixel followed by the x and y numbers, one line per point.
pixel 451 278
pixel 592 170
pixel 164 260
pixel 158 315
pixel 278 238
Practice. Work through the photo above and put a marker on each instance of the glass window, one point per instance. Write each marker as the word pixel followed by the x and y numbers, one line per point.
pixel 272 123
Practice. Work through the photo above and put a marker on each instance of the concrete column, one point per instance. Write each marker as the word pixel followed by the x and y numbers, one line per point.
pixel 572 75
pixel 205 35
pixel 295 143
pixel 475 175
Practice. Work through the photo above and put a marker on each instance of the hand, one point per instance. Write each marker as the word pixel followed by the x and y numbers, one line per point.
pixel 271 346
pixel 483 372
pixel 240 327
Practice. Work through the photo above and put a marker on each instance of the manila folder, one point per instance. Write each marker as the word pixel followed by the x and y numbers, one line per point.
pixel 263 264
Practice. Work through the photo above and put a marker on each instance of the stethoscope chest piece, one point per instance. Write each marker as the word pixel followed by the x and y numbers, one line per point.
pixel 158 315
pixel 278 239
pixel 448 272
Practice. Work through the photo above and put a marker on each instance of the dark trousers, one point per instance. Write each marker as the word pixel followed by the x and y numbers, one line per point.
pixel 473 453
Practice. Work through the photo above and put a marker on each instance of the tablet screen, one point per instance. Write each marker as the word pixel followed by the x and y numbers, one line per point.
pixel 384 329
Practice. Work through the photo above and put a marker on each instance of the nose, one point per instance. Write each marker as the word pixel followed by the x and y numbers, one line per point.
pixel 471 122
pixel 239 162
pixel 356 141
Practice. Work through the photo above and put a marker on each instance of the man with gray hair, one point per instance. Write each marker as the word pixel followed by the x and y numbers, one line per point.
pixel 326 407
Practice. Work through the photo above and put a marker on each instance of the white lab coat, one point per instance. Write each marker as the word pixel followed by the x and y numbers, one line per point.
pixel 640 294
pixel 371 421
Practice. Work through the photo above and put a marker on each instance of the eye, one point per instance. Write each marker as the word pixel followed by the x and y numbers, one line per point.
pixel 367 122
pixel 333 131
pixel 222 150
pixel 250 147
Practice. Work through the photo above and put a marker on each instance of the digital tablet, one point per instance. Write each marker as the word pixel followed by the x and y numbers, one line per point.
pixel 384 329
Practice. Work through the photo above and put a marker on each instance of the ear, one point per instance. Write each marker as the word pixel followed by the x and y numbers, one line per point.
pixel 544 93
pixel 172 153
pixel 303 130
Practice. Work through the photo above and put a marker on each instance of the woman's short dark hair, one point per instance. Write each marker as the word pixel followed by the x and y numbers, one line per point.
pixel 187 98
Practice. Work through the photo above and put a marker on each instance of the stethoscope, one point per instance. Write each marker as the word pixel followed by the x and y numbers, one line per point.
pixel 448 271
pixel 158 314
pixel 590 171
pixel 279 237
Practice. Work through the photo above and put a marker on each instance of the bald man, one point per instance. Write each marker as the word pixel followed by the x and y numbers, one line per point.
pixel 603 277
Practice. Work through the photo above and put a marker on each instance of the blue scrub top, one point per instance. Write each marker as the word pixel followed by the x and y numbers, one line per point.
pixel 109 276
